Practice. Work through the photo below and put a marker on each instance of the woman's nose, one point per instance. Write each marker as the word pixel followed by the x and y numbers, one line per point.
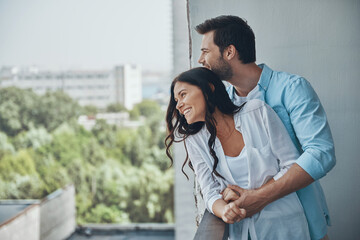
pixel 179 105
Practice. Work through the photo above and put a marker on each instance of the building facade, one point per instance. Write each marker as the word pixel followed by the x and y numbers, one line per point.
pixel 122 84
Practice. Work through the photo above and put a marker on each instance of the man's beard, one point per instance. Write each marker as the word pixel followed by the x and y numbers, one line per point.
pixel 222 69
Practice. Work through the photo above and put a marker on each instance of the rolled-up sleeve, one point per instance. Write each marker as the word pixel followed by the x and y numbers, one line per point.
pixel 210 187
pixel 310 124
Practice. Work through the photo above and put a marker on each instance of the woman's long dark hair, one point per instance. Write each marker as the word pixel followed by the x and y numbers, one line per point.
pixel 215 96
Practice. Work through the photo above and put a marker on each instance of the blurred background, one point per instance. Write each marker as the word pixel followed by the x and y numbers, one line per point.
pixel 83 89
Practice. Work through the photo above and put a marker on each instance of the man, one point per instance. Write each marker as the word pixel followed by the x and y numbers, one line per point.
pixel 228 49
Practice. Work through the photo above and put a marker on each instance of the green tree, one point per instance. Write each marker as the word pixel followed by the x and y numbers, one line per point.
pixel 120 174
pixel 65 148
pixel 90 110
pixel 5 145
pixel 21 163
pixel 104 214
pixel 56 108
pixel 18 110
pixel 148 108
pixel 105 133
pixel 35 138
pixel 116 107
pixel 134 113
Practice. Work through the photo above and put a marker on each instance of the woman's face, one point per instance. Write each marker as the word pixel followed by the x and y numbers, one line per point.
pixel 190 102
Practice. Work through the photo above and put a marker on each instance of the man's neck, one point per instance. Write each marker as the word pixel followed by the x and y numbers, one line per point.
pixel 245 77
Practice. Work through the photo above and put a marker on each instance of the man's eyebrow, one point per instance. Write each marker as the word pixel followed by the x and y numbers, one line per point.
pixel 204 49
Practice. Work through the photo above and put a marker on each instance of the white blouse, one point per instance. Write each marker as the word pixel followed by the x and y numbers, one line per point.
pixel 270 153
pixel 239 168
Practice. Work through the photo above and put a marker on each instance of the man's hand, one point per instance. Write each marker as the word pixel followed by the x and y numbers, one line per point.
pixel 250 200
pixel 229 195
pixel 232 213
pixel 255 200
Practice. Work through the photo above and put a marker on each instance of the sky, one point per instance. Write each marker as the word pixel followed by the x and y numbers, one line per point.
pixel 86 34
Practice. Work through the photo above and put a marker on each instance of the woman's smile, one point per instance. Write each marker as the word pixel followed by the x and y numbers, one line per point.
pixel 190 102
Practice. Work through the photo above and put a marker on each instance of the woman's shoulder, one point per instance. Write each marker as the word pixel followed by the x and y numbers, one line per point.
pixel 199 136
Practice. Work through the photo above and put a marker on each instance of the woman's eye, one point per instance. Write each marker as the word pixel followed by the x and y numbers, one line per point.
pixel 183 94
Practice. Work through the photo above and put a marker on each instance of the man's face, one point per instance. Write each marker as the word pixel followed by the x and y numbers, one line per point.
pixel 212 59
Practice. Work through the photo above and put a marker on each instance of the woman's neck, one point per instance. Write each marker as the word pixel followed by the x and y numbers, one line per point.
pixel 225 124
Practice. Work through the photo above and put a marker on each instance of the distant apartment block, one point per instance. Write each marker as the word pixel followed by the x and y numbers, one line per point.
pixel 120 119
pixel 122 84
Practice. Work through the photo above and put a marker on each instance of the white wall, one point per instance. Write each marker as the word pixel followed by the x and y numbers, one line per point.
pixel 58 214
pixel 319 40
pixel 24 226
pixel 185 224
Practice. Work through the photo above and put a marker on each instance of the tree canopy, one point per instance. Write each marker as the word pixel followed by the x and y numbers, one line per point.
pixel 120 174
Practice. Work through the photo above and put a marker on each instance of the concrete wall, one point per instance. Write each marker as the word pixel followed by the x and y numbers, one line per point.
pixel 319 40
pixel 26 225
pixel 58 214
pixel 51 219
pixel 185 225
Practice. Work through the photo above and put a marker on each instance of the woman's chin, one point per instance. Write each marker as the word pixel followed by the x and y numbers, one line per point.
pixel 189 121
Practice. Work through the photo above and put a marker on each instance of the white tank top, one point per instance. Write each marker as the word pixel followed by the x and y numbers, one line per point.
pixel 239 168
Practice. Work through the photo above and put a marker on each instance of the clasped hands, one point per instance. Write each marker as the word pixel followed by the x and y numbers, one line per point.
pixel 241 203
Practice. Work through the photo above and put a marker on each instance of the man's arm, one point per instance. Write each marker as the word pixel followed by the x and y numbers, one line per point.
pixel 311 128
pixel 310 125
pixel 255 200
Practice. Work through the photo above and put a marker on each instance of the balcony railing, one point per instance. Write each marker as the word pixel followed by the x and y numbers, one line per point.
pixel 212 228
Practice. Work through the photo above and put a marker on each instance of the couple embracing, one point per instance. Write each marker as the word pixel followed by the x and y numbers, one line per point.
pixel 258 147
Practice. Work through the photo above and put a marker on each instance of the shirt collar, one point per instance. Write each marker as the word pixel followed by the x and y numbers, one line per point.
pixel 265 76
pixel 264 80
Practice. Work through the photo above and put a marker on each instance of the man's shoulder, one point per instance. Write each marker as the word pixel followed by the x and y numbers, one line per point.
pixel 285 79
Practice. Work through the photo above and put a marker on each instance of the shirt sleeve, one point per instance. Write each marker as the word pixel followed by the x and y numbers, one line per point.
pixel 310 124
pixel 280 142
pixel 210 187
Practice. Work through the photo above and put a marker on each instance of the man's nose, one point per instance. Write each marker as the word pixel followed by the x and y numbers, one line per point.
pixel 201 60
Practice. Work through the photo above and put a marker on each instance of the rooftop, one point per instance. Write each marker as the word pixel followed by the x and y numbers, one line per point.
pixel 124 232
pixel 9 209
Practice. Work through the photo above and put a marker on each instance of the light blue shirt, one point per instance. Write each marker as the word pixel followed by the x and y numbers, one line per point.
pixel 299 108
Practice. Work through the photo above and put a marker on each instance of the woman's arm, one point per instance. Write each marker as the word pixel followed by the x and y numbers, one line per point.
pixel 228 212
pixel 210 187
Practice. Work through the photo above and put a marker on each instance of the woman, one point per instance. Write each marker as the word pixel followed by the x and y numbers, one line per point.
pixel 226 144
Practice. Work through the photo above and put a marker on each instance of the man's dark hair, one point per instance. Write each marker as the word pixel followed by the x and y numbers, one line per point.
pixel 231 30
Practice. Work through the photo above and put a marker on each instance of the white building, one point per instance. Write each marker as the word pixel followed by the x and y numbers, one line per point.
pixel 120 119
pixel 99 88
pixel 128 85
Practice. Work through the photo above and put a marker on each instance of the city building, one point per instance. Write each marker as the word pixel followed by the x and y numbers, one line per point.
pixel 122 84
pixel 120 119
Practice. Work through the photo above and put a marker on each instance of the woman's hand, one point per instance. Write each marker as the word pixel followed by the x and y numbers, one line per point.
pixel 232 213
pixel 229 195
